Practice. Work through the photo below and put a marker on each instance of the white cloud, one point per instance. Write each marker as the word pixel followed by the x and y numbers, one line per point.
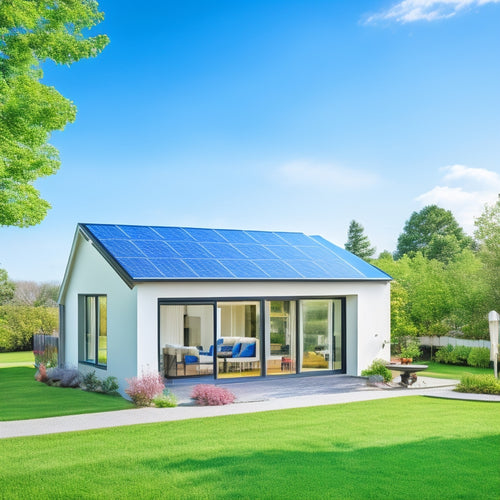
pixel 474 187
pixel 325 175
pixel 409 11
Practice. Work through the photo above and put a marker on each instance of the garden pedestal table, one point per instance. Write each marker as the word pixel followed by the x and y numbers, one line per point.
pixel 408 372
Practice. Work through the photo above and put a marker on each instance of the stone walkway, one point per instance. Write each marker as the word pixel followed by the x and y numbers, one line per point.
pixel 252 396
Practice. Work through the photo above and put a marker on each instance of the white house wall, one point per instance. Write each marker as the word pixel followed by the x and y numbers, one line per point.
pixel 367 312
pixel 91 274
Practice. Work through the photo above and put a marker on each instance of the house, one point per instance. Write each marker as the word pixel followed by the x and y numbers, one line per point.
pixel 218 303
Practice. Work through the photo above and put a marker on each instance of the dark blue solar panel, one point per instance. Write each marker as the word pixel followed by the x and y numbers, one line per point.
pixel 104 231
pixel 140 268
pixel 295 238
pixel 173 233
pixel 156 248
pixel 308 268
pixel 234 236
pixel 222 250
pixel 204 235
pixel 286 252
pixel 140 233
pixel 277 269
pixel 265 237
pixel 174 268
pixel 208 268
pixel 122 248
pixel 255 251
pixel 189 249
pixel 244 269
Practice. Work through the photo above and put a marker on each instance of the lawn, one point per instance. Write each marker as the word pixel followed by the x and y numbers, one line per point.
pixel 25 358
pixel 410 447
pixel 439 370
pixel 22 397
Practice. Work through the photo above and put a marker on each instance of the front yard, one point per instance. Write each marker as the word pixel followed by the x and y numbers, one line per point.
pixel 411 447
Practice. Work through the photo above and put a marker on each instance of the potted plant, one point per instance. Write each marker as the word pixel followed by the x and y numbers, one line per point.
pixel 409 351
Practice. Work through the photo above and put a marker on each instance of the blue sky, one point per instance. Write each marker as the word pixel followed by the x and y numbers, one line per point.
pixel 273 115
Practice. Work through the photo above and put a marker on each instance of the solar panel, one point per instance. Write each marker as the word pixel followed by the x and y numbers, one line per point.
pixel 174 268
pixel 286 252
pixel 156 248
pixel 234 236
pixel 265 237
pixel 316 252
pixel 189 249
pixel 255 251
pixel 105 231
pixel 277 269
pixel 122 248
pixel 140 268
pixel 204 235
pixel 140 233
pixel 208 268
pixel 222 250
pixel 308 269
pixel 173 233
pixel 295 238
pixel 244 269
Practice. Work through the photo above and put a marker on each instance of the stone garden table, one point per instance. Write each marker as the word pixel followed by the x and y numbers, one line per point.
pixel 408 372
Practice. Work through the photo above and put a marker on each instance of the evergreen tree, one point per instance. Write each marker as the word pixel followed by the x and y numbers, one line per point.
pixel 357 242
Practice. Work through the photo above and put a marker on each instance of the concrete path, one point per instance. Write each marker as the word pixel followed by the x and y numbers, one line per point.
pixel 253 396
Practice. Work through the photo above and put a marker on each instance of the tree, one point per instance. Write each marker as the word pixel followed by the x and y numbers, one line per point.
pixel 488 235
pixel 6 287
pixel 32 32
pixel 357 242
pixel 435 233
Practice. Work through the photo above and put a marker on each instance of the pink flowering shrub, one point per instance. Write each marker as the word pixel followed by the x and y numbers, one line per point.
pixel 211 395
pixel 142 390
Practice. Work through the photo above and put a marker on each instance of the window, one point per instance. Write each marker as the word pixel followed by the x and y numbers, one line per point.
pixel 95 330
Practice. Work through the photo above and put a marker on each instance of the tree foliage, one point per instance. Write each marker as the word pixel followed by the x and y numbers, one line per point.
pixel 357 242
pixel 435 233
pixel 31 32
pixel 6 287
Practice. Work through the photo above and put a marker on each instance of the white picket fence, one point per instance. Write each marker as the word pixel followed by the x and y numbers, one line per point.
pixel 436 341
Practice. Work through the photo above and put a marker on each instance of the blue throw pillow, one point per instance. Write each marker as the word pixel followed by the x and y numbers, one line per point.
pixel 236 349
pixel 247 350
pixel 226 348
pixel 189 359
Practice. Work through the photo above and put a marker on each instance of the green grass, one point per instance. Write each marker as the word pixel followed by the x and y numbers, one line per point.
pixel 403 448
pixel 439 370
pixel 22 397
pixel 25 358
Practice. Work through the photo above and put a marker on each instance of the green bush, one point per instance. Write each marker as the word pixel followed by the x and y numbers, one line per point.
pixel 460 354
pixel 444 355
pixel 479 384
pixel 479 356
pixel 166 400
pixel 19 323
pixel 91 381
pixel 378 368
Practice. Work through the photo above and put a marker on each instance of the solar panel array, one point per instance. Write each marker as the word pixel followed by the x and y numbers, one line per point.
pixel 162 253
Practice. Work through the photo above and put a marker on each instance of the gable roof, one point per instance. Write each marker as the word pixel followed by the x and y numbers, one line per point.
pixel 153 253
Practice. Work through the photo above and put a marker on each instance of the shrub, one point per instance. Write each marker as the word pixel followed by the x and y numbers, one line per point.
pixel 211 395
pixel 48 356
pixel 378 368
pixel 411 349
pixel 479 356
pixel 142 390
pixel 109 385
pixel 479 384
pixel 91 381
pixel 444 355
pixel 460 354
pixel 165 400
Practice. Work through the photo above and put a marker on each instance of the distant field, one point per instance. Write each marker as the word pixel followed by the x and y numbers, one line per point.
pixel 24 358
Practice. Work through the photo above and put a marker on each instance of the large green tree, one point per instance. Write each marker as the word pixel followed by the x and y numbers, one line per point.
pixel 6 287
pixel 357 242
pixel 488 235
pixel 31 32
pixel 435 233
